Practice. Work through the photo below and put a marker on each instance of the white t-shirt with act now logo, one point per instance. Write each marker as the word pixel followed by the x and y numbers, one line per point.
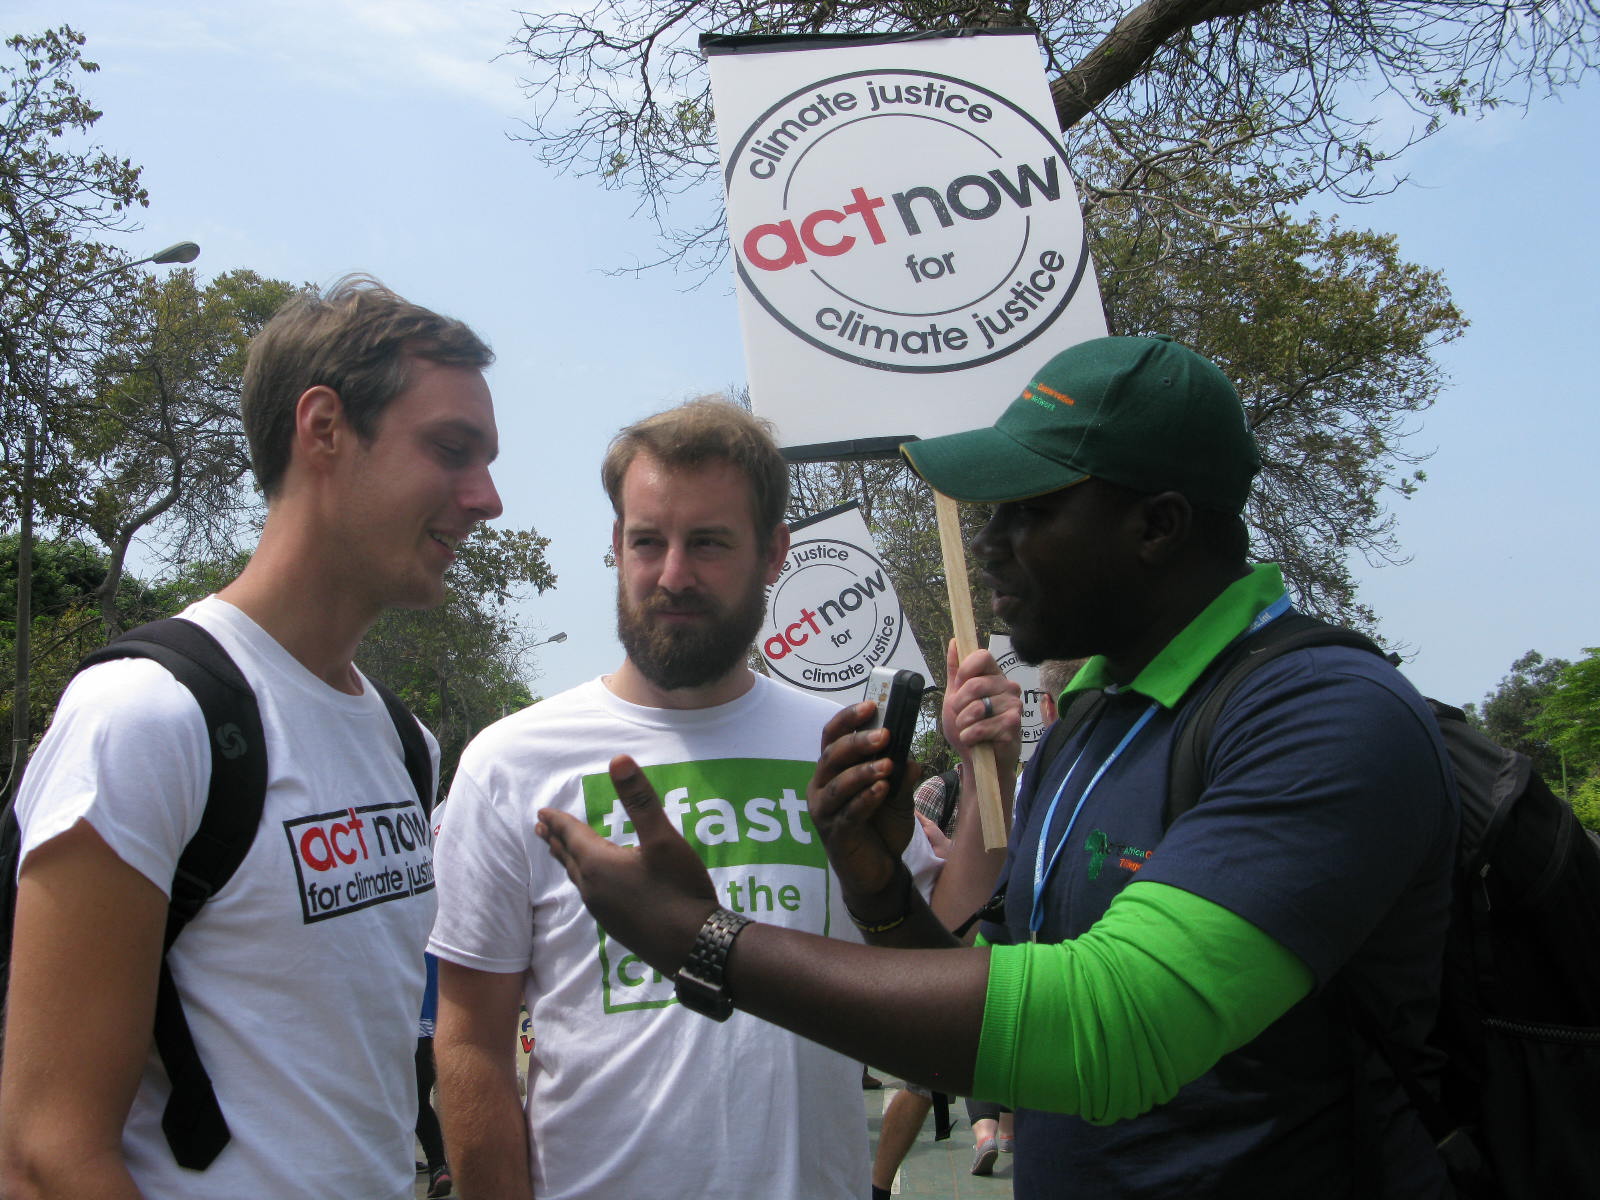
pixel 303 977
pixel 629 1093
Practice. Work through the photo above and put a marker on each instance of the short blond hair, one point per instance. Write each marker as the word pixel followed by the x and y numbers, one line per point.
pixel 1056 673
pixel 359 339
pixel 706 430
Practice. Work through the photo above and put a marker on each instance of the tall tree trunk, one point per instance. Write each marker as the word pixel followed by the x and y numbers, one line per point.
pixel 24 644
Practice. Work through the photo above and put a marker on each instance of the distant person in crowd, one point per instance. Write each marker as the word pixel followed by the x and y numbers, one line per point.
pixel 993 1125
pixel 630 1091
pixel 937 801
pixel 429 1136
pixel 1055 674
pixel 1168 1009
pixel 371 431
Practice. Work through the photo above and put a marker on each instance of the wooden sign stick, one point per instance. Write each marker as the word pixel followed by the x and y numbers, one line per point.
pixel 953 546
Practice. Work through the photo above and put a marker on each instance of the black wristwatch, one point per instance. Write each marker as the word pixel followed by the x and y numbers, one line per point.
pixel 702 982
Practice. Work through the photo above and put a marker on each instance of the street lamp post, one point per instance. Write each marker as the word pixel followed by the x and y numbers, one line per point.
pixel 178 252
pixel 505 709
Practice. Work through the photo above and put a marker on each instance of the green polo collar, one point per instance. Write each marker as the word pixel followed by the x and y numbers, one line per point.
pixel 1169 674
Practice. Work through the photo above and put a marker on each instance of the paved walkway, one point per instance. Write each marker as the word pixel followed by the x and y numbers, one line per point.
pixel 940 1169
pixel 931 1170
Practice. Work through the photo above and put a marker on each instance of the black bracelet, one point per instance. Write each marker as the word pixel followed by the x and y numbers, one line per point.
pixel 895 922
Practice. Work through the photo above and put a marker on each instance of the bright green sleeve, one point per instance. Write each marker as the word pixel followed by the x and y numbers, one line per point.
pixel 1112 1023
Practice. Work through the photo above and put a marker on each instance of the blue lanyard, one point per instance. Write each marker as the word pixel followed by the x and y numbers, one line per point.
pixel 1267 615
pixel 1042 869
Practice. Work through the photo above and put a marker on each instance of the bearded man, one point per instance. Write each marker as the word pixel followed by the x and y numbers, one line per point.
pixel 629 1093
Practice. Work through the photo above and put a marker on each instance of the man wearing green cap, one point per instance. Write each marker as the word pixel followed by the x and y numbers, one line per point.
pixel 1167 1007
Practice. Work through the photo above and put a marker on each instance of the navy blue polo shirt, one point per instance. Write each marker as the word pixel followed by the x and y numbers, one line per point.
pixel 1327 821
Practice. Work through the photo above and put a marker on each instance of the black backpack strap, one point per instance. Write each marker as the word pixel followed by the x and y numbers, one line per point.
pixel 1069 721
pixel 10 856
pixel 1210 694
pixel 419 764
pixel 192 1121
pixel 238 755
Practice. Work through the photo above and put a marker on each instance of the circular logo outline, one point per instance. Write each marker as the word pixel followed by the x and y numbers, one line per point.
pixel 752 130
pixel 794 572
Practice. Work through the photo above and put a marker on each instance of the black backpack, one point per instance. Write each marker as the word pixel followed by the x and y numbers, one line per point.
pixel 192 1121
pixel 1519 1010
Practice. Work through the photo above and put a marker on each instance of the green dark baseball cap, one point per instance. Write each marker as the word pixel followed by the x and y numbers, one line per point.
pixel 1144 412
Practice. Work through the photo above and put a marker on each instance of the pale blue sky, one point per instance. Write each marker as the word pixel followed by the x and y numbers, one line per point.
pixel 307 139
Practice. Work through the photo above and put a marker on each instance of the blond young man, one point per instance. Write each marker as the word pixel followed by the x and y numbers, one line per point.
pixel 371 431
pixel 629 1092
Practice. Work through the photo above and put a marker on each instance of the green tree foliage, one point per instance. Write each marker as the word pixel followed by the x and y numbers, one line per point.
pixel 155 437
pixel 1328 333
pixel 56 194
pixel 458 667
pixel 1268 89
pixel 1585 802
pixel 67 577
pixel 1568 719
pixel 467 663
pixel 1509 712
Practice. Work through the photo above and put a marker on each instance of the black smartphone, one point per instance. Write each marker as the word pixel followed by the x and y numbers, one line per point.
pixel 897 695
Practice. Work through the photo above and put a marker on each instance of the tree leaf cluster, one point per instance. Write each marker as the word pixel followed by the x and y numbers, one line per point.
pixel 152 427
pixel 1507 714
pixel 67 578
pixel 56 195
pixel 469 662
pixel 1328 334
pixel 1549 709
pixel 1568 719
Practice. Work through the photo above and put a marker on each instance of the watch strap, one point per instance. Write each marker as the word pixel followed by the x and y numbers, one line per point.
pixel 702 983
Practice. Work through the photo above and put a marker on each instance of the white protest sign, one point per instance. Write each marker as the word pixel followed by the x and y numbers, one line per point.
pixel 1027 678
pixel 833 615
pixel 907 238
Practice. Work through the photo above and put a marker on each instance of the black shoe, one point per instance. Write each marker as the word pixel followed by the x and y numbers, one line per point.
pixel 439 1182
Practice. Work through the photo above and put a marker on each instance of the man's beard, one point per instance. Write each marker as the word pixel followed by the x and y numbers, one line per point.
pixel 675 656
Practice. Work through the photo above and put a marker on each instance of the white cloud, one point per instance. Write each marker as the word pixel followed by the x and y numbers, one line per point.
pixel 356 44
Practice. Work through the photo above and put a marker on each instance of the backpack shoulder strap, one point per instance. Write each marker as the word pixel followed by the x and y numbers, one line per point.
pixel 1489 778
pixel 193 1122
pixel 238 755
pixel 1067 722
pixel 1211 692
pixel 419 764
